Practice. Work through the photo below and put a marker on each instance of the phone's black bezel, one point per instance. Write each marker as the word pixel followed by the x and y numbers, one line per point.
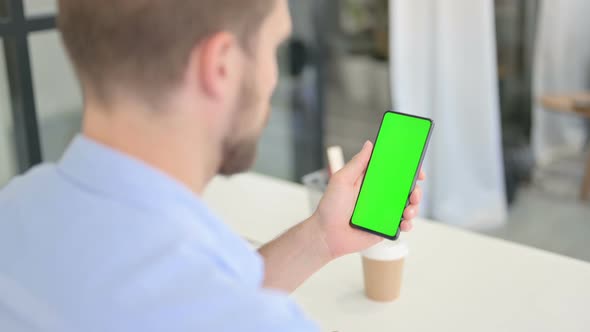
pixel 416 174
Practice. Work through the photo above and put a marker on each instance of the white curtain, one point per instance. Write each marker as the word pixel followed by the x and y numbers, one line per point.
pixel 445 67
pixel 562 65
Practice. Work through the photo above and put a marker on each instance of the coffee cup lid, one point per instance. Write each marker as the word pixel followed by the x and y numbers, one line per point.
pixel 387 250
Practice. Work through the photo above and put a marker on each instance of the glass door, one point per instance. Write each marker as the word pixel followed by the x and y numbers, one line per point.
pixel 291 145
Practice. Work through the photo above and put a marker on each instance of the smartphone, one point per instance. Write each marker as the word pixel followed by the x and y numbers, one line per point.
pixel 391 174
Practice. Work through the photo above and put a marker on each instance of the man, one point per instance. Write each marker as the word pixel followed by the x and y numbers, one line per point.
pixel 114 237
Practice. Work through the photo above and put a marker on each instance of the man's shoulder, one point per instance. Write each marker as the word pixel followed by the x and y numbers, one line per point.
pixel 23 189
pixel 32 178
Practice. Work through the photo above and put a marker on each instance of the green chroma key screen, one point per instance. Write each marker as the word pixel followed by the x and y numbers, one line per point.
pixel 391 174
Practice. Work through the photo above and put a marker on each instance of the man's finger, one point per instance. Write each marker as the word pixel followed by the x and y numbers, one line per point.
pixel 422 176
pixel 410 212
pixel 355 168
pixel 416 196
pixel 406 226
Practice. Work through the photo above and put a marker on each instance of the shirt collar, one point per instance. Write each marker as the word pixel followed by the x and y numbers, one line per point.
pixel 119 175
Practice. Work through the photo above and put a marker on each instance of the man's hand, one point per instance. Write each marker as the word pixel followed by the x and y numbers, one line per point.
pixel 301 251
pixel 336 207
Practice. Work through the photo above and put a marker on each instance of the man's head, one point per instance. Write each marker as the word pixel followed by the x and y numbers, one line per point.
pixel 209 64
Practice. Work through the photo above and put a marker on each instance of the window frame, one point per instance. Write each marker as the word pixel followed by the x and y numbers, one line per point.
pixel 15 28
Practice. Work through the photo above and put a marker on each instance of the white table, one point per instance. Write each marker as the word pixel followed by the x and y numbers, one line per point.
pixel 454 280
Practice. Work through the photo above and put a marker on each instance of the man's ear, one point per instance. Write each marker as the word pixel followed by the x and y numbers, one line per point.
pixel 216 58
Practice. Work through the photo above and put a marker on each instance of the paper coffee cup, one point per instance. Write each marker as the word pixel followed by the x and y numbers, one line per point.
pixel 383 267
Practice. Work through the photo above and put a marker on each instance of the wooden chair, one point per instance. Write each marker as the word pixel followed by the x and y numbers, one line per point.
pixel 576 104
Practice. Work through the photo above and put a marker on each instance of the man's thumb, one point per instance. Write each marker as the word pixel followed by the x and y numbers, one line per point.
pixel 357 166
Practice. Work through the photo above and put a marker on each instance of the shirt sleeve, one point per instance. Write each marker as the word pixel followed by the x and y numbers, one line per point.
pixel 172 294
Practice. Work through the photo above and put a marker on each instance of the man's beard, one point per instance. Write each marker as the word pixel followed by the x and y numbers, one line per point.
pixel 239 156
pixel 240 147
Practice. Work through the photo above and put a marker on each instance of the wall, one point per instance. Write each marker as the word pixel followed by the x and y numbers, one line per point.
pixel 58 97
pixel 8 165
pixel 40 7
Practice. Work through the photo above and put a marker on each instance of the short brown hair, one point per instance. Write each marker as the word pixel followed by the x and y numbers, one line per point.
pixel 145 44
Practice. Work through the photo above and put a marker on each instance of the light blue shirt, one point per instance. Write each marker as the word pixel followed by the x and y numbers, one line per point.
pixel 103 242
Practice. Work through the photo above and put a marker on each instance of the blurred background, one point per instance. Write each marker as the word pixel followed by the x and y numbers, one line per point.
pixel 507 83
